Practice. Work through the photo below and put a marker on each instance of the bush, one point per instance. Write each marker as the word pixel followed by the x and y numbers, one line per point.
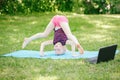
pixel 29 6
pixel 78 6
pixel 115 6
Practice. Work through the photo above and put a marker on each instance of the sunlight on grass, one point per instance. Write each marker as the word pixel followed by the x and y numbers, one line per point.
pixel 101 24
pixel 113 16
pixel 5 71
pixel 15 30
pixel 97 22
pixel 1 45
pixel 81 62
pixel 33 22
pixel 46 78
pixel 107 26
pixel 97 36
pixel 12 39
pixel 115 76
pixel 10 20
pixel 76 15
pixel 16 17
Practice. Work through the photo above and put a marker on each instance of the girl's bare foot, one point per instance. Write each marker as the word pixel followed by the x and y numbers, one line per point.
pixel 26 41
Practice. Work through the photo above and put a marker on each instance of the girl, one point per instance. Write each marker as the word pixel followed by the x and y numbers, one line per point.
pixel 62 35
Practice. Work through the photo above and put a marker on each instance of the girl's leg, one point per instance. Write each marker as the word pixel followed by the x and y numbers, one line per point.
pixel 43 44
pixel 47 31
pixel 66 29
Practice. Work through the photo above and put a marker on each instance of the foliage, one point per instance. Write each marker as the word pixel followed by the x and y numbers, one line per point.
pixel 29 6
pixel 78 6
pixel 115 6
pixel 101 6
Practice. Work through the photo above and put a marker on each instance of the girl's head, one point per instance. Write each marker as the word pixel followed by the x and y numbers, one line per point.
pixel 59 48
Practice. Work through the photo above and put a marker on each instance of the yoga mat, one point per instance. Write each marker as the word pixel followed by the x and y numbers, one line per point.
pixel 51 54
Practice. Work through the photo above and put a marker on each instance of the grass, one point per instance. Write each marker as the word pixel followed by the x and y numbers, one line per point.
pixel 92 31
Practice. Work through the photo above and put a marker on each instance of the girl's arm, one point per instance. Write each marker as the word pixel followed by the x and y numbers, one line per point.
pixel 72 44
pixel 43 44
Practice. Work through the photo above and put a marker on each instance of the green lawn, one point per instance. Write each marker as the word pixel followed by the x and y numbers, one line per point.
pixel 92 31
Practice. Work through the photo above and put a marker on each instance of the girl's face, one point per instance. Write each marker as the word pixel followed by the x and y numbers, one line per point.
pixel 59 48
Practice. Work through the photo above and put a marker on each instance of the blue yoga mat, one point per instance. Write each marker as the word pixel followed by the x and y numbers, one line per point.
pixel 51 54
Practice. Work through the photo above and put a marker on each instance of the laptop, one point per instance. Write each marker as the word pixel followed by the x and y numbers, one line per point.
pixel 105 54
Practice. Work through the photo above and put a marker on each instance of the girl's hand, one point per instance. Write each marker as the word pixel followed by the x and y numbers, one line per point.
pixel 42 54
pixel 75 55
pixel 26 41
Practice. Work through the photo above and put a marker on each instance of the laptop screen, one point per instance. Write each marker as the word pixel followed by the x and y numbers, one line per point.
pixel 106 53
